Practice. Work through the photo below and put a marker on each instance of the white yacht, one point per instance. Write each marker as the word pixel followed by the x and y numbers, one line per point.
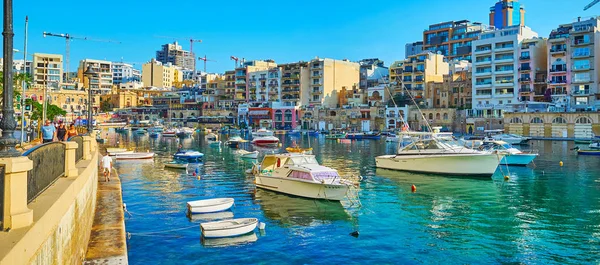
pixel 499 135
pixel 300 175
pixel 512 156
pixel 262 133
pixel 439 153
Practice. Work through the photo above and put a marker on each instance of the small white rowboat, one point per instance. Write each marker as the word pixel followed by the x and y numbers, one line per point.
pixel 134 156
pixel 210 205
pixel 119 153
pixel 176 165
pixel 115 150
pixel 246 154
pixel 228 228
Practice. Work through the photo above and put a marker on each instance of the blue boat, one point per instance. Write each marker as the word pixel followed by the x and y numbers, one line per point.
pixel 189 156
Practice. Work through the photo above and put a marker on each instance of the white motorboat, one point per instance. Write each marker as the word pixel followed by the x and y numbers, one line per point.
pixel 512 156
pixel 266 141
pixel 120 153
pixel 300 175
pixel 132 156
pixel 439 153
pixel 212 139
pixel 499 135
pixel 247 154
pixel 234 141
pixel 177 165
pixel 115 150
pixel 228 228
pixel 262 133
pixel 210 205
pixel 595 144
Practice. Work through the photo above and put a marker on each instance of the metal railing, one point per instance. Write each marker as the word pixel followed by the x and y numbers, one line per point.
pixel 48 165
pixel 79 151
pixel 2 183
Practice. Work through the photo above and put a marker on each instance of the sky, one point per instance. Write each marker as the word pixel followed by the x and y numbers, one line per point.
pixel 285 31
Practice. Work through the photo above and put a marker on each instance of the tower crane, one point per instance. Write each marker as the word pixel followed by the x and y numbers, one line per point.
pixel 192 41
pixel 591 4
pixel 236 61
pixel 205 60
pixel 68 39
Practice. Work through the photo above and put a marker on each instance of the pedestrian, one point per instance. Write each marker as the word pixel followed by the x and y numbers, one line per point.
pixel 61 132
pixel 48 132
pixel 106 166
pixel 72 131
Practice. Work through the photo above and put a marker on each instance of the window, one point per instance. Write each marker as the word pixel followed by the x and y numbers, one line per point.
pixel 559 120
pixel 516 120
pixel 581 65
pixel 581 101
pixel 583 120
pixel 537 120
pixel 504 45
pixel 581 77
pixel 581 52
pixel 445 116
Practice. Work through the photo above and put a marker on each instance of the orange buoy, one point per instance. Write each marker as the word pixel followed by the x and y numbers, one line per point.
pixel 506 177
pixel 413 188
pixel 561 163
pixel 194 174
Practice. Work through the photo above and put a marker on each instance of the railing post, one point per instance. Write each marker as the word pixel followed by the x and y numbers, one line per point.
pixel 87 147
pixel 16 213
pixel 70 159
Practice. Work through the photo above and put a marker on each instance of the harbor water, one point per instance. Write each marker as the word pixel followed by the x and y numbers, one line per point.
pixel 543 214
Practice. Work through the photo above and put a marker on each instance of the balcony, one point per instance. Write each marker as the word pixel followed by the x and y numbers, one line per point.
pixel 420 71
pixel 525 91
pixel 581 68
pixel 504 48
pixel 273 92
pixel 525 68
pixel 504 94
pixel 581 55
pixel 504 71
pixel 557 82
pixel 316 66
pixel 262 78
pixel 525 58
pixel 419 80
pixel 504 60
pixel 316 84
pixel 581 42
pixel 504 83
pixel 483 51
pixel 316 91
pixel 483 73
pixel 483 84
pixel 560 70
pixel 240 82
pixel 581 81
pixel 558 50
pixel 378 98
pixel 581 92
pixel 524 79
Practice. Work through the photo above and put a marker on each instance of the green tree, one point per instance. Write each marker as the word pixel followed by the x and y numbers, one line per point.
pixel 18 79
pixel 51 112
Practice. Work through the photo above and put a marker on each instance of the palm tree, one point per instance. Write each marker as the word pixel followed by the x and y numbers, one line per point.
pixel 17 83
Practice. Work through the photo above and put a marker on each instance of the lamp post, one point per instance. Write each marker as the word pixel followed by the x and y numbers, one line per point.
pixel 89 73
pixel 8 123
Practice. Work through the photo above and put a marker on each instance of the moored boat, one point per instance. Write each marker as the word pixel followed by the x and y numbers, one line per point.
pixel 169 133
pixel 512 156
pixel 234 141
pixel 300 175
pixel 247 154
pixel 228 228
pixel 210 205
pixel 499 135
pixel 176 164
pixel 133 156
pixel 120 153
pixel 335 136
pixel 266 141
pixel 115 150
pixel 299 150
pixel 190 156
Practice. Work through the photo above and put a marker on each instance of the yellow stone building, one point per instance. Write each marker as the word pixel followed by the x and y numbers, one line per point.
pixel 553 124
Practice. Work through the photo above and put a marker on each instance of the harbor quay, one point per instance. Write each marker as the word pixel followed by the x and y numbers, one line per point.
pixel 474 142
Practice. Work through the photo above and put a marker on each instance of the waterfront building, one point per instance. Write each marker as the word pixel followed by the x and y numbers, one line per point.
pixel 533 62
pixel 372 73
pixel 419 70
pixel 453 39
pixel 174 54
pixel 378 95
pixel 454 91
pixel 215 91
pixel 553 124
pixel 395 76
pixel 131 85
pixel 294 84
pixel 119 99
pixel 327 78
pixel 414 48
pixel 496 67
pixel 263 86
pixel 157 74
pixel 242 78
pixel 229 86
pixel 47 70
pixel 506 13
pixel 123 73
pixel 436 117
pixel 395 116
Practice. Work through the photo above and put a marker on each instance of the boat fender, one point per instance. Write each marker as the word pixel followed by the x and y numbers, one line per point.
pixel 506 177
pixel 413 188
pixel 354 234
pixel 261 226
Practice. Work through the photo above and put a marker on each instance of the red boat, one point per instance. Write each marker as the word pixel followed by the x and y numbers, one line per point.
pixel 266 141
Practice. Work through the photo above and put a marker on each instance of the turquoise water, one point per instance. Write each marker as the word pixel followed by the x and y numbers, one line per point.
pixel 544 214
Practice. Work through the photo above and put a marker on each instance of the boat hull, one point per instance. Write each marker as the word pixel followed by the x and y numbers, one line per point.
pixel 589 152
pixel 168 134
pixel 209 206
pixel 517 159
pixel 457 165
pixel 135 156
pixel 209 231
pixel 302 189
pixel 120 153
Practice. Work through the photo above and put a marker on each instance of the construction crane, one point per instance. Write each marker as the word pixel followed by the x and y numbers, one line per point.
pixel 591 4
pixel 192 41
pixel 236 61
pixel 205 60
pixel 68 39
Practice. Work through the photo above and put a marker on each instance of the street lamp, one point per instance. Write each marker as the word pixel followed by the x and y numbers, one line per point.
pixel 89 73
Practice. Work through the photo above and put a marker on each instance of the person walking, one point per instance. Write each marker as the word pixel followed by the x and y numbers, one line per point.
pixel 48 132
pixel 61 131
pixel 72 131
pixel 106 166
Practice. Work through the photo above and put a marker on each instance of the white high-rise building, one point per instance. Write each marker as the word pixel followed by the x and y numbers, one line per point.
pixel 123 73
pixel 496 67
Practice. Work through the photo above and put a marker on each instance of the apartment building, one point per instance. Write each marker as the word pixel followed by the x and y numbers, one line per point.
pixel 452 39
pixel 242 78
pixel 102 82
pixel 496 67
pixel 47 70
pixel 583 47
pixel 123 73
pixel 533 61
pixel 420 69
pixel 395 76
pixel 157 74
pixel 264 87
pixel 327 78
pixel 372 73
pixel 506 13
pixel 455 89
pixel 414 48
pixel 174 54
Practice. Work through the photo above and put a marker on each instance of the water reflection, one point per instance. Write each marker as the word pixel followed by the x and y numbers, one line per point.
pixel 229 241
pixel 299 211
pixel 208 217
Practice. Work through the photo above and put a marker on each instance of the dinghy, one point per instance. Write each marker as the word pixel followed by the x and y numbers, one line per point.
pixel 228 228
pixel 133 156
pixel 176 164
pixel 210 205
pixel 115 150
pixel 246 154
pixel 119 153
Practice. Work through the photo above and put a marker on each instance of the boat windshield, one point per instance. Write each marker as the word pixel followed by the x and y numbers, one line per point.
pixel 434 144
pixel 302 160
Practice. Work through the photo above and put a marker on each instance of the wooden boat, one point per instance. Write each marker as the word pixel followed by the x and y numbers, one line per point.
pixel 120 153
pixel 210 205
pixel 228 228
pixel 176 164
pixel 135 156
pixel 587 152
pixel 299 150
pixel 246 154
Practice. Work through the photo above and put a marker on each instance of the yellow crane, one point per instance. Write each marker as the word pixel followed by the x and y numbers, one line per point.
pixel 68 39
